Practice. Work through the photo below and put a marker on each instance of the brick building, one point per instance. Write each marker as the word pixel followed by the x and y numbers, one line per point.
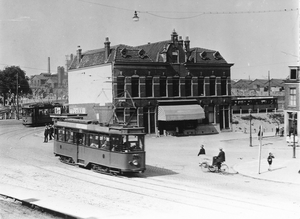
pixel 292 102
pixel 165 85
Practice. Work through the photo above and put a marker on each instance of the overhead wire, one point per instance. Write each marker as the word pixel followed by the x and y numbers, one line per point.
pixel 154 13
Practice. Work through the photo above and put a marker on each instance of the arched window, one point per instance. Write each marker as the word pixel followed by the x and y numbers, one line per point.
pixel 175 86
pixel 135 82
pixel 212 86
pixel 201 86
pixel 188 85
pixel 120 86
pixel 163 86
pixel 149 85
pixel 224 86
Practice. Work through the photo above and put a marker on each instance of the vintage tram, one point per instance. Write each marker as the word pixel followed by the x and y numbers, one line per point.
pixel 36 114
pixel 106 149
pixel 255 104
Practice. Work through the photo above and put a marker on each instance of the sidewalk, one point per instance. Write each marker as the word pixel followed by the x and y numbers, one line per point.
pixel 283 171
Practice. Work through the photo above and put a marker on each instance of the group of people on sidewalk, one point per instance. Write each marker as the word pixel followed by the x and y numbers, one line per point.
pixel 48 133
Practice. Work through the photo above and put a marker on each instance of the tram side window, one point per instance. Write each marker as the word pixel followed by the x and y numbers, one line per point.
pixel 60 134
pixel 116 143
pixel 94 141
pixel 81 139
pixel 106 144
pixel 69 136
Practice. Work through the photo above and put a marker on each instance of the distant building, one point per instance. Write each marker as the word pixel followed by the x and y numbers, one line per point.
pixel 166 86
pixel 292 102
pixel 46 84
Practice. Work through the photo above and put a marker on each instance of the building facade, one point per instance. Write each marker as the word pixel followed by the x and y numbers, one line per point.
pixel 165 86
pixel 292 102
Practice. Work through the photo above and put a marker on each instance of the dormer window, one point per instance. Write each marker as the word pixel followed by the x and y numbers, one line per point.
pixel 124 52
pixel 217 56
pixel 142 53
pixel 203 55
pixel 293 74
pixel 175 57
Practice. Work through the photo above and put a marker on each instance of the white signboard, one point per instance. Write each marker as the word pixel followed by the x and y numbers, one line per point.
pixel 79 110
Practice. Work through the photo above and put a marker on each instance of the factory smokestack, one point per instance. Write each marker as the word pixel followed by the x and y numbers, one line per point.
pixel 49 65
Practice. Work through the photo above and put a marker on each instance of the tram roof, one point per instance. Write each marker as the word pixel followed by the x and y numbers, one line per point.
pixel 88 125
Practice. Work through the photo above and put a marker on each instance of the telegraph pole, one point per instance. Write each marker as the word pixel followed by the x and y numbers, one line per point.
pixel 17 95
pixel 250 117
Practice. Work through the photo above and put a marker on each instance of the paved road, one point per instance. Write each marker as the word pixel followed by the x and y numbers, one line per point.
pixel 172 185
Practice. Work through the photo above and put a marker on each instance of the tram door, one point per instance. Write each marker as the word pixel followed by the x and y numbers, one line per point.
pixel 79 141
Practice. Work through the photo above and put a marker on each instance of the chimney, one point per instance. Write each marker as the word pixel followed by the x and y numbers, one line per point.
pixel 78 54
pixel 49 65
pixel 107 47
pixel 187 44
pixel 180 41
pixel 174 36
pixel 59 76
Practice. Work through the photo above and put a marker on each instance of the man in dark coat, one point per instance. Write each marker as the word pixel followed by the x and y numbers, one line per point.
pixel 220 158
pixel 50 132
pixel 202 150
pixel 46 132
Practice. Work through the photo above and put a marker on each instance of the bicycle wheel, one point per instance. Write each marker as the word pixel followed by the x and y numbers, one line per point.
pixel 204 166
pixel 224 168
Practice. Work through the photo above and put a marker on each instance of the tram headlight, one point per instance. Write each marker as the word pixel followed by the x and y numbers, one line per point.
pixel 134 162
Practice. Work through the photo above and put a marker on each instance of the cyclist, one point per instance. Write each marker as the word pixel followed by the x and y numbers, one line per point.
pixel 218 160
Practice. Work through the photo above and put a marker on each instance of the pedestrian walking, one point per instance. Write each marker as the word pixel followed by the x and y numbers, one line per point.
pixel 51 136
pixel 270 160
pixel 277 131
pixel 260 132
pixel 202 150
pixel 46 132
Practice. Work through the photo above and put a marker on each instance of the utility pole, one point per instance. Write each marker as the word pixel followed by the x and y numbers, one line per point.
pixel 269 83
pixel 250 119
pixel 17 95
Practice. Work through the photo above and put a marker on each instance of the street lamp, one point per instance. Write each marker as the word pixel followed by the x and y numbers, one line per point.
pixel 135 17
pixel 250 119
pixel 294 131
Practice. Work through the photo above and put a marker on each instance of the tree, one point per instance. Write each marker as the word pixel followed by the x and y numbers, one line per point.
pixel 9 78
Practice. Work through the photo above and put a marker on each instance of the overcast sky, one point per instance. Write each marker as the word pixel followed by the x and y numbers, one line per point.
pixel 257 36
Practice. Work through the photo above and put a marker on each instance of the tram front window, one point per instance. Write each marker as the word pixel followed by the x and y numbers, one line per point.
pixel 132 143
pixel 27 112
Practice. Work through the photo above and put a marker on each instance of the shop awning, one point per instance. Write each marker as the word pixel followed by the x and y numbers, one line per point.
pixel 180 112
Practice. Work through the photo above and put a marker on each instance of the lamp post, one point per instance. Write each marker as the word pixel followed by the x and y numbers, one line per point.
pixel 294 131
pixel 250 119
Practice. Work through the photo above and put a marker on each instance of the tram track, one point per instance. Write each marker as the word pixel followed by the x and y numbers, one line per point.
pixel 146 187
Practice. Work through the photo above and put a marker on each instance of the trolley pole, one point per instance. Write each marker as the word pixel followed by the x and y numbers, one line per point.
pixel 250 119
pixel 260 145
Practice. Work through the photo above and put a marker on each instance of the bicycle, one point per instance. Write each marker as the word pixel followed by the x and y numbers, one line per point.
pixel 205 167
